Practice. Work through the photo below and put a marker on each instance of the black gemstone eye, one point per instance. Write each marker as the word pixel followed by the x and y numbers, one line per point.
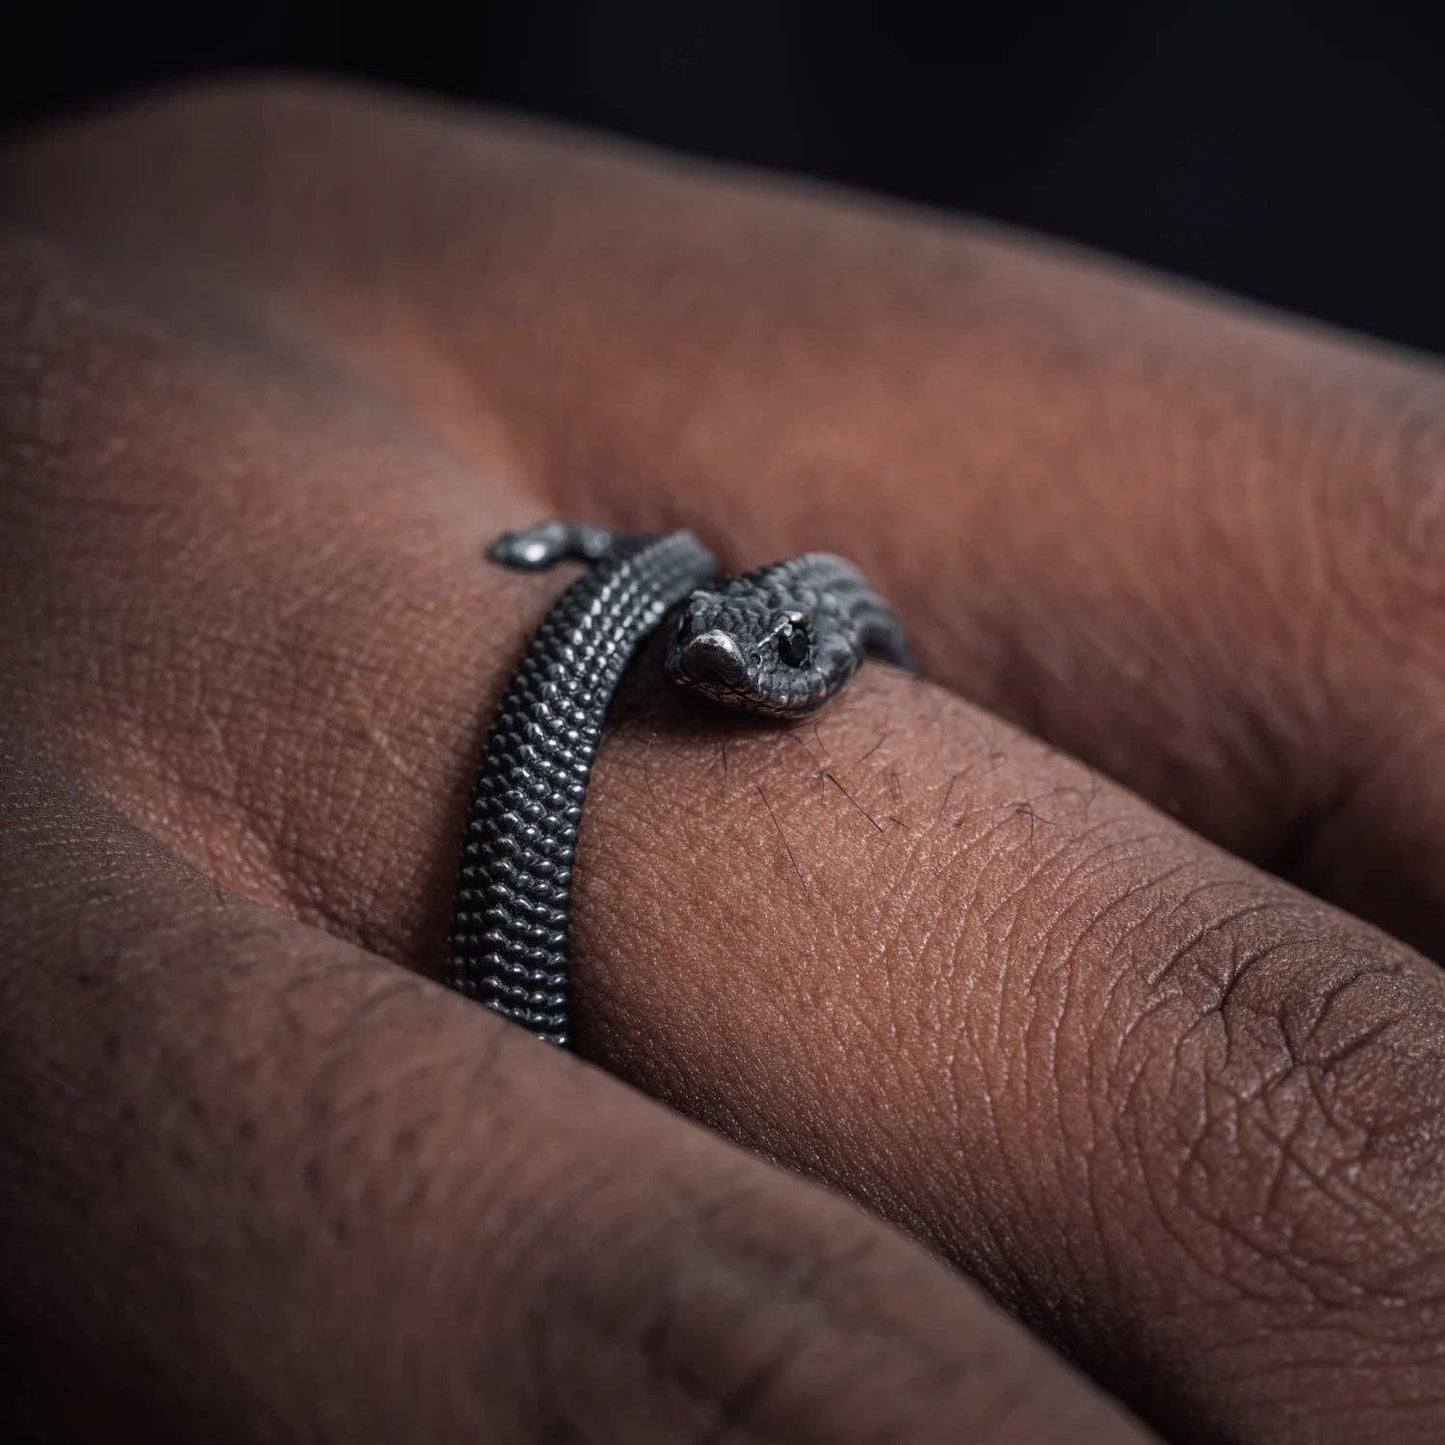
pixel 794 646
pixel 685 626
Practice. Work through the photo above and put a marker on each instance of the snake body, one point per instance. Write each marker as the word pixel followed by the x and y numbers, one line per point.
pixel 780 641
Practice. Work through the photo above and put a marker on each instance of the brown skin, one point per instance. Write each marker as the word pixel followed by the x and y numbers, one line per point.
pixel 275 362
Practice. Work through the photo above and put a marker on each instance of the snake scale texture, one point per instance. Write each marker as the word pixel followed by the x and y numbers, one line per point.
pixel 780 641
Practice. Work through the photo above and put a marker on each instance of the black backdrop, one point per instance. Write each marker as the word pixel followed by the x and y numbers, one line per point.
pixel 1291 153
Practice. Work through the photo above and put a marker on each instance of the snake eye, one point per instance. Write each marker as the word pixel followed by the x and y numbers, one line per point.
pixel 795 647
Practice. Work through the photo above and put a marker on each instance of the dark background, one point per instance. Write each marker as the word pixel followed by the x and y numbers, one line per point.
pixel 1291 153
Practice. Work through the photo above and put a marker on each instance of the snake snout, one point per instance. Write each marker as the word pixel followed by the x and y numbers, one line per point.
pixel 712 657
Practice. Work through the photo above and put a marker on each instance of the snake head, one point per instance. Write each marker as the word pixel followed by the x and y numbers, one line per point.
pixel 740 649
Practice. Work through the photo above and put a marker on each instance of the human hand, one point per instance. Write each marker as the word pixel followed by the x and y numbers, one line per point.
pixel 281 362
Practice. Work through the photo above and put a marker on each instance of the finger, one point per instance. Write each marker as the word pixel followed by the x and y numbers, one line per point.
pixel 1196 548
pixel 1184 1119
pixel 1181 1117
pixel 260 1184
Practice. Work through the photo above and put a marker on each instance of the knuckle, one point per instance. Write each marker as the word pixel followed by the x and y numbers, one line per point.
pixel 1302 1082
pixel 729 1317
pixel 659 1313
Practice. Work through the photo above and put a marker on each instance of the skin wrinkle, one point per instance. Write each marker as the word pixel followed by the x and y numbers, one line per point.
pixel 739 1403
pixel 1288 1075
pixel 798 1278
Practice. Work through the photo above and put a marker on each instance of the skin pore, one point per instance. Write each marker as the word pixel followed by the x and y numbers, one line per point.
pixel 1040 998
